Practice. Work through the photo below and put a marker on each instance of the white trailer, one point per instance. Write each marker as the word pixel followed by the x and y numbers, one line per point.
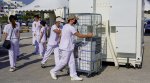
pixel 123 40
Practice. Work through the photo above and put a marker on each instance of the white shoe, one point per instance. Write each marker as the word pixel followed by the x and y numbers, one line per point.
pixel 53 75
pixel 76 78
pixel 12 69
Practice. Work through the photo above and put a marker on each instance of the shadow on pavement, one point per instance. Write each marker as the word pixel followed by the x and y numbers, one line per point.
pixel 24 56
pixel 3 52
pixel 4 60
pixel 24 45
pixel 50 66
pixel 4 64
pixel 28 63
pixel 62 75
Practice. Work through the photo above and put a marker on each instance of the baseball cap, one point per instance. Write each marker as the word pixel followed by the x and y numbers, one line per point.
pixel 59 19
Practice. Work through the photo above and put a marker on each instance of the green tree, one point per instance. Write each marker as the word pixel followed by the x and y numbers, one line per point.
pixel 3 19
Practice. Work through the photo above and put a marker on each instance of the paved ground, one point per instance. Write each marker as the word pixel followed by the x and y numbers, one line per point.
pixel 29 70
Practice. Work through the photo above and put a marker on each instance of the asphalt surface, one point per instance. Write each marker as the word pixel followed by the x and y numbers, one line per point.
pixel 29 70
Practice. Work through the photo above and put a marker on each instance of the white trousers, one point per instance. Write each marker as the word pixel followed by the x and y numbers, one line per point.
pixel 36 50
pixel 18 48
pixel 42 48
pixel 33 38
pixel 13 52
pixel 50 49
pixel 67 57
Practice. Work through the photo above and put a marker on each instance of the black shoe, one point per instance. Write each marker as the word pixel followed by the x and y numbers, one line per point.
pixel 43 66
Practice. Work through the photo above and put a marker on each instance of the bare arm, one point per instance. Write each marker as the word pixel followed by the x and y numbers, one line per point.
pixel 5 35
pixel 58 31
pixel 83 35
pixel 41 36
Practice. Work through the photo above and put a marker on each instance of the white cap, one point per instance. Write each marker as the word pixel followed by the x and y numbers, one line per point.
pixel 59 19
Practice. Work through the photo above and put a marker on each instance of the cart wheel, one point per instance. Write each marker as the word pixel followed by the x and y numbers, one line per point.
pixel 138 66
pixel 78 74
pixel 128 65
pixel 88 75
pixel 98 73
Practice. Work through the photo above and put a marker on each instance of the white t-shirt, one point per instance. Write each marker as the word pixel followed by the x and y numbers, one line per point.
pixel 8 29
pixel 36 29
pixel 43 30
pixel 35 25
pixel 67 38
pixel 54 37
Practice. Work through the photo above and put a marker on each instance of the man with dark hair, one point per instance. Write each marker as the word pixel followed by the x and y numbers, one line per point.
pixel 35 33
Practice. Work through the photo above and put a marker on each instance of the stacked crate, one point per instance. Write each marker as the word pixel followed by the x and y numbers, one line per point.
pixel 88 56
pixel 88 52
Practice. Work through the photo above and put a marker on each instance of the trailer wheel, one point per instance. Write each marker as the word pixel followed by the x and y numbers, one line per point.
pixel 88 75
pixel 128 65
pixel 138 66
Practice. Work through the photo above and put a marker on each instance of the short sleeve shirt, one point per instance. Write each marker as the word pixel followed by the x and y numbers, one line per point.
pixel 9 30
pixel 35 25
pixel 67 38
pixel 43 30
pixel 54 37
pixel 37 28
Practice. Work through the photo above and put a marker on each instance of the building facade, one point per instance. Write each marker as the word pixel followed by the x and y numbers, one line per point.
pixel 7 5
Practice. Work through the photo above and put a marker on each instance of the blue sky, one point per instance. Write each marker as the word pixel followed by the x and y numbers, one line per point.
pixel 25 1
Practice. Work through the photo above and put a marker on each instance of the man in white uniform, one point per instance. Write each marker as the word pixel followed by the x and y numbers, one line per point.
pixel 36 33
pixel 67 47
pixel 53 42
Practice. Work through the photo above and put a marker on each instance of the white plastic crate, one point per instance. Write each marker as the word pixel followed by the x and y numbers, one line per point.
pixel 84 65
pixel 88 46
pixel 89 56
